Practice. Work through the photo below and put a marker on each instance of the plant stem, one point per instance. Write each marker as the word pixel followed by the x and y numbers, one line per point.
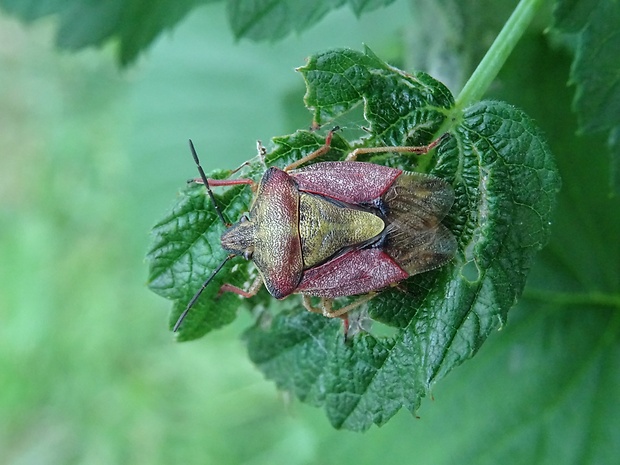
pixel 497 55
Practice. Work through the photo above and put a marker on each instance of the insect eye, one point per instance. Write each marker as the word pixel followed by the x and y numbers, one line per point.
pixel 244 218
pixel 248 254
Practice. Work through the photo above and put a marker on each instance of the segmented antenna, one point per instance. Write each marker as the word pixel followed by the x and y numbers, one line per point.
pixel 203 176
pixel 197 294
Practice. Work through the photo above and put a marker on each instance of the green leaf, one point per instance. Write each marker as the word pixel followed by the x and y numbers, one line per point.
pixel 614 146
pixel 362 6
pixel 543 390
pixel 339 81
pixel 595 71
pixel 505 182
pixel 568 338
pixel 573 15
pixel 275 19
pixel 134 24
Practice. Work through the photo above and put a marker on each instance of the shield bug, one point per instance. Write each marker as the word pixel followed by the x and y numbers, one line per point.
pixel 336 229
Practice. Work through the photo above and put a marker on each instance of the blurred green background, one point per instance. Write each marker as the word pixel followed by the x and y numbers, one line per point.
pixel 92 157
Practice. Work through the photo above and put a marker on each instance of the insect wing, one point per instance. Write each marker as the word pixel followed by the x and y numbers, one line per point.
pixel 348 181
pixel 416 239
pixel 355 272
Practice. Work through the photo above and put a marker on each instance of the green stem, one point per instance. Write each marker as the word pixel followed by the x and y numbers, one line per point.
pixel 497 55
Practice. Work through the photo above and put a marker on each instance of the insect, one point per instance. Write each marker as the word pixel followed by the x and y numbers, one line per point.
pixel 335 229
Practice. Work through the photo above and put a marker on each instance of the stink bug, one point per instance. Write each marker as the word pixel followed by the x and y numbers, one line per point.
pixel 335 229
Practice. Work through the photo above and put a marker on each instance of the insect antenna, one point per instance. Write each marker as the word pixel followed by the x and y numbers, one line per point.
pixel 203 177
pixel 197 294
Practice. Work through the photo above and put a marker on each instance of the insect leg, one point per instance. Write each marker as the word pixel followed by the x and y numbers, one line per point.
pixel 245 163
pixel 214 182
pixel 251 292
pixel 308 304
pixel 399 149
pixel 326 305
pixel 317 153
pixel 225 182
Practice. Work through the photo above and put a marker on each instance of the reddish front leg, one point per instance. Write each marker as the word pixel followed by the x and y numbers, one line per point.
pixel 421 150
pixel 216 182
pixel 317 153
pixel 251 292
pixel 225 182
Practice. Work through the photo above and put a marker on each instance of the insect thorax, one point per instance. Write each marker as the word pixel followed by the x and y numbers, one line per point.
pixel 325 228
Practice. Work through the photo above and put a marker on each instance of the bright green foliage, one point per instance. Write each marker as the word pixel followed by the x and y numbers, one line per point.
pixel 135 24
pixel 339 81
pixel 505 181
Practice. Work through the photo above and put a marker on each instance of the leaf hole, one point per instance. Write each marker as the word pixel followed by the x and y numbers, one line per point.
pixel 382 331
pixel 470 271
